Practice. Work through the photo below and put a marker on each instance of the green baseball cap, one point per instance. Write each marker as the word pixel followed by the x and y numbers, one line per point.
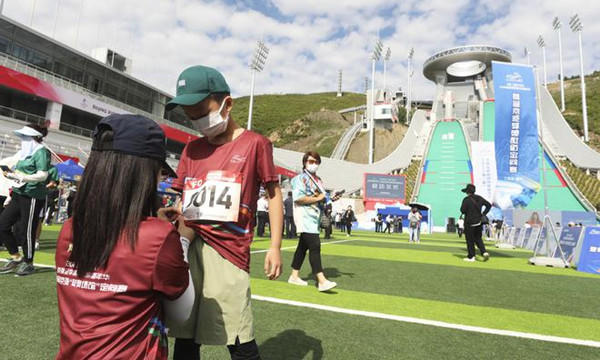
pixel 196 83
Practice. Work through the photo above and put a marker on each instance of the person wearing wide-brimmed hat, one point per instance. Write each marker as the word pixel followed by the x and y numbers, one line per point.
pixel 471 211
pixel 27 199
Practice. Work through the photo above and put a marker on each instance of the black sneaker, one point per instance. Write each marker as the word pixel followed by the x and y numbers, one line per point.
pixel 10 266
pixel 24 269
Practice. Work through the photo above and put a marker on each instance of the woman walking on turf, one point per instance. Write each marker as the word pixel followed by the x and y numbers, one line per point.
pixel 118 269
pixel 471 211
pixel 414 225
pixel 27 200
pixel 309 194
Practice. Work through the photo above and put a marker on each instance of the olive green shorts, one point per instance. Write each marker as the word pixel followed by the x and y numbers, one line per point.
pixel 221 311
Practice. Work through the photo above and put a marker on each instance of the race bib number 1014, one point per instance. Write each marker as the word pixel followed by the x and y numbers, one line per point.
pixel 215 198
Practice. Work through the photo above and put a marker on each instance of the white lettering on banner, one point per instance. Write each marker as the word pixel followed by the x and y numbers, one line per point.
pixel 215 198
pixel 513 161
pixel 484 168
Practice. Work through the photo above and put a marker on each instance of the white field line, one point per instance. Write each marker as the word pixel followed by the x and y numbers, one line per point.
pixel 35 264
pixel 477 329
pixel 293 247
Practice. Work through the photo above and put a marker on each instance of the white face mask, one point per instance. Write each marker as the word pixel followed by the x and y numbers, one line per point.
pixel 312 168
pixel 28 146
pixel 212 124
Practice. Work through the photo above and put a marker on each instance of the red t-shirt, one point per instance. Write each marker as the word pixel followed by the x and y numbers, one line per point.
pixel 251 155
pixel 116 312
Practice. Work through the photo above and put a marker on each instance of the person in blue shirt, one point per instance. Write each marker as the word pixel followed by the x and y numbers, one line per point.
pixel 309 194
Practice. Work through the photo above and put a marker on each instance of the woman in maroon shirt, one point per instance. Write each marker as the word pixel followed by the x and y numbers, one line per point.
pixel 118 270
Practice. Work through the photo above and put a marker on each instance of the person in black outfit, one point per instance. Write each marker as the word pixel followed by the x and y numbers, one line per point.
pixel 471 210
pixel 378 223
pixel 290 226
pixel 347 219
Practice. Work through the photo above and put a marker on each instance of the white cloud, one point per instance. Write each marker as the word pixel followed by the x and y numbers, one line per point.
pixel 313 39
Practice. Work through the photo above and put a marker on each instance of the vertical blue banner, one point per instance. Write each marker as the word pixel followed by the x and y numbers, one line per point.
pixel 517 147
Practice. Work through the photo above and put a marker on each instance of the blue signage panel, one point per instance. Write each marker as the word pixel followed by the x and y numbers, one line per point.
pixel 589 259
pixel 382 187
pixel 517 147
pixel 569 237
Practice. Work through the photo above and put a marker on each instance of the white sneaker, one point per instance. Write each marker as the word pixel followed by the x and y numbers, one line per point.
pixel 297 281
pixel 327 285
pixel 469 259
pixel 37 245
pixel 347 234
pixel 486 256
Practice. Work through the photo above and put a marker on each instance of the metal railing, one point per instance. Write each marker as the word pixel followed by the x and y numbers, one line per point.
pixel 75 130
pixel 56 79
pixel 343 145
pixel 21 115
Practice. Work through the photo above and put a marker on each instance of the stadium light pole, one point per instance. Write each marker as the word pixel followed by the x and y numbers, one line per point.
pixel 32 14
pixel 557 26
pixel 527 53
pixel 411 52
pixel 576 26
pixel 388 53
pixel 258 64
pixel 541 43
pixel 375 56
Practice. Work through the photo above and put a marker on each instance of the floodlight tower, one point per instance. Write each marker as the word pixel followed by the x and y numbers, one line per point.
pixel 577 26
pixel 527 53
pixel 541 43
pixel 386 58
pixel 258 64
pixel 339 93
pixel 375 56
pixel 411 52
pixel 557 26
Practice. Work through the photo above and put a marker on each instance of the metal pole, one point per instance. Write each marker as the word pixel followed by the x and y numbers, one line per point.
pixel 541 134
pixel 1 6
pixel 545 73
pixel 372 124
pixel 384 68
pixel 55 19
pixel 251 101
pixel 32 13
pixel 78 22
pixel 583 100
pixel 408 92
pixel 562 82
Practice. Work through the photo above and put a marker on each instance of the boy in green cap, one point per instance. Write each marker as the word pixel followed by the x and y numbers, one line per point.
pixel 220 176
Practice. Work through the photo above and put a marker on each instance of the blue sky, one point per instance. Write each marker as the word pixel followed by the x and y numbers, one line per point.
pixel 309 40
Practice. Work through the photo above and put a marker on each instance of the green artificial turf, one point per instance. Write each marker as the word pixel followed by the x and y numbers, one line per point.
pixel 378 273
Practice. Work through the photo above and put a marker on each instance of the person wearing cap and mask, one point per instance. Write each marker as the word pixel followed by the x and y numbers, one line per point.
pixel 308 194
pixel 237 162
pixel 119 270
pixel 27 199
pixel 472 214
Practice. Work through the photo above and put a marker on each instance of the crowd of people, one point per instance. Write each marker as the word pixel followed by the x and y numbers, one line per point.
pixel 148 263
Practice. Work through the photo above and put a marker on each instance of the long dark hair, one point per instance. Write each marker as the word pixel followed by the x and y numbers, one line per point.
pixel 116 192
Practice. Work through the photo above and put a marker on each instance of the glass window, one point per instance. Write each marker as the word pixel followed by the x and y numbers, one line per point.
pixel 4 45
pixel 7 29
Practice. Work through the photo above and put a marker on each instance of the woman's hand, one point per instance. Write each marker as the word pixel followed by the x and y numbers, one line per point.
pixel 184 230
pixel 169 214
